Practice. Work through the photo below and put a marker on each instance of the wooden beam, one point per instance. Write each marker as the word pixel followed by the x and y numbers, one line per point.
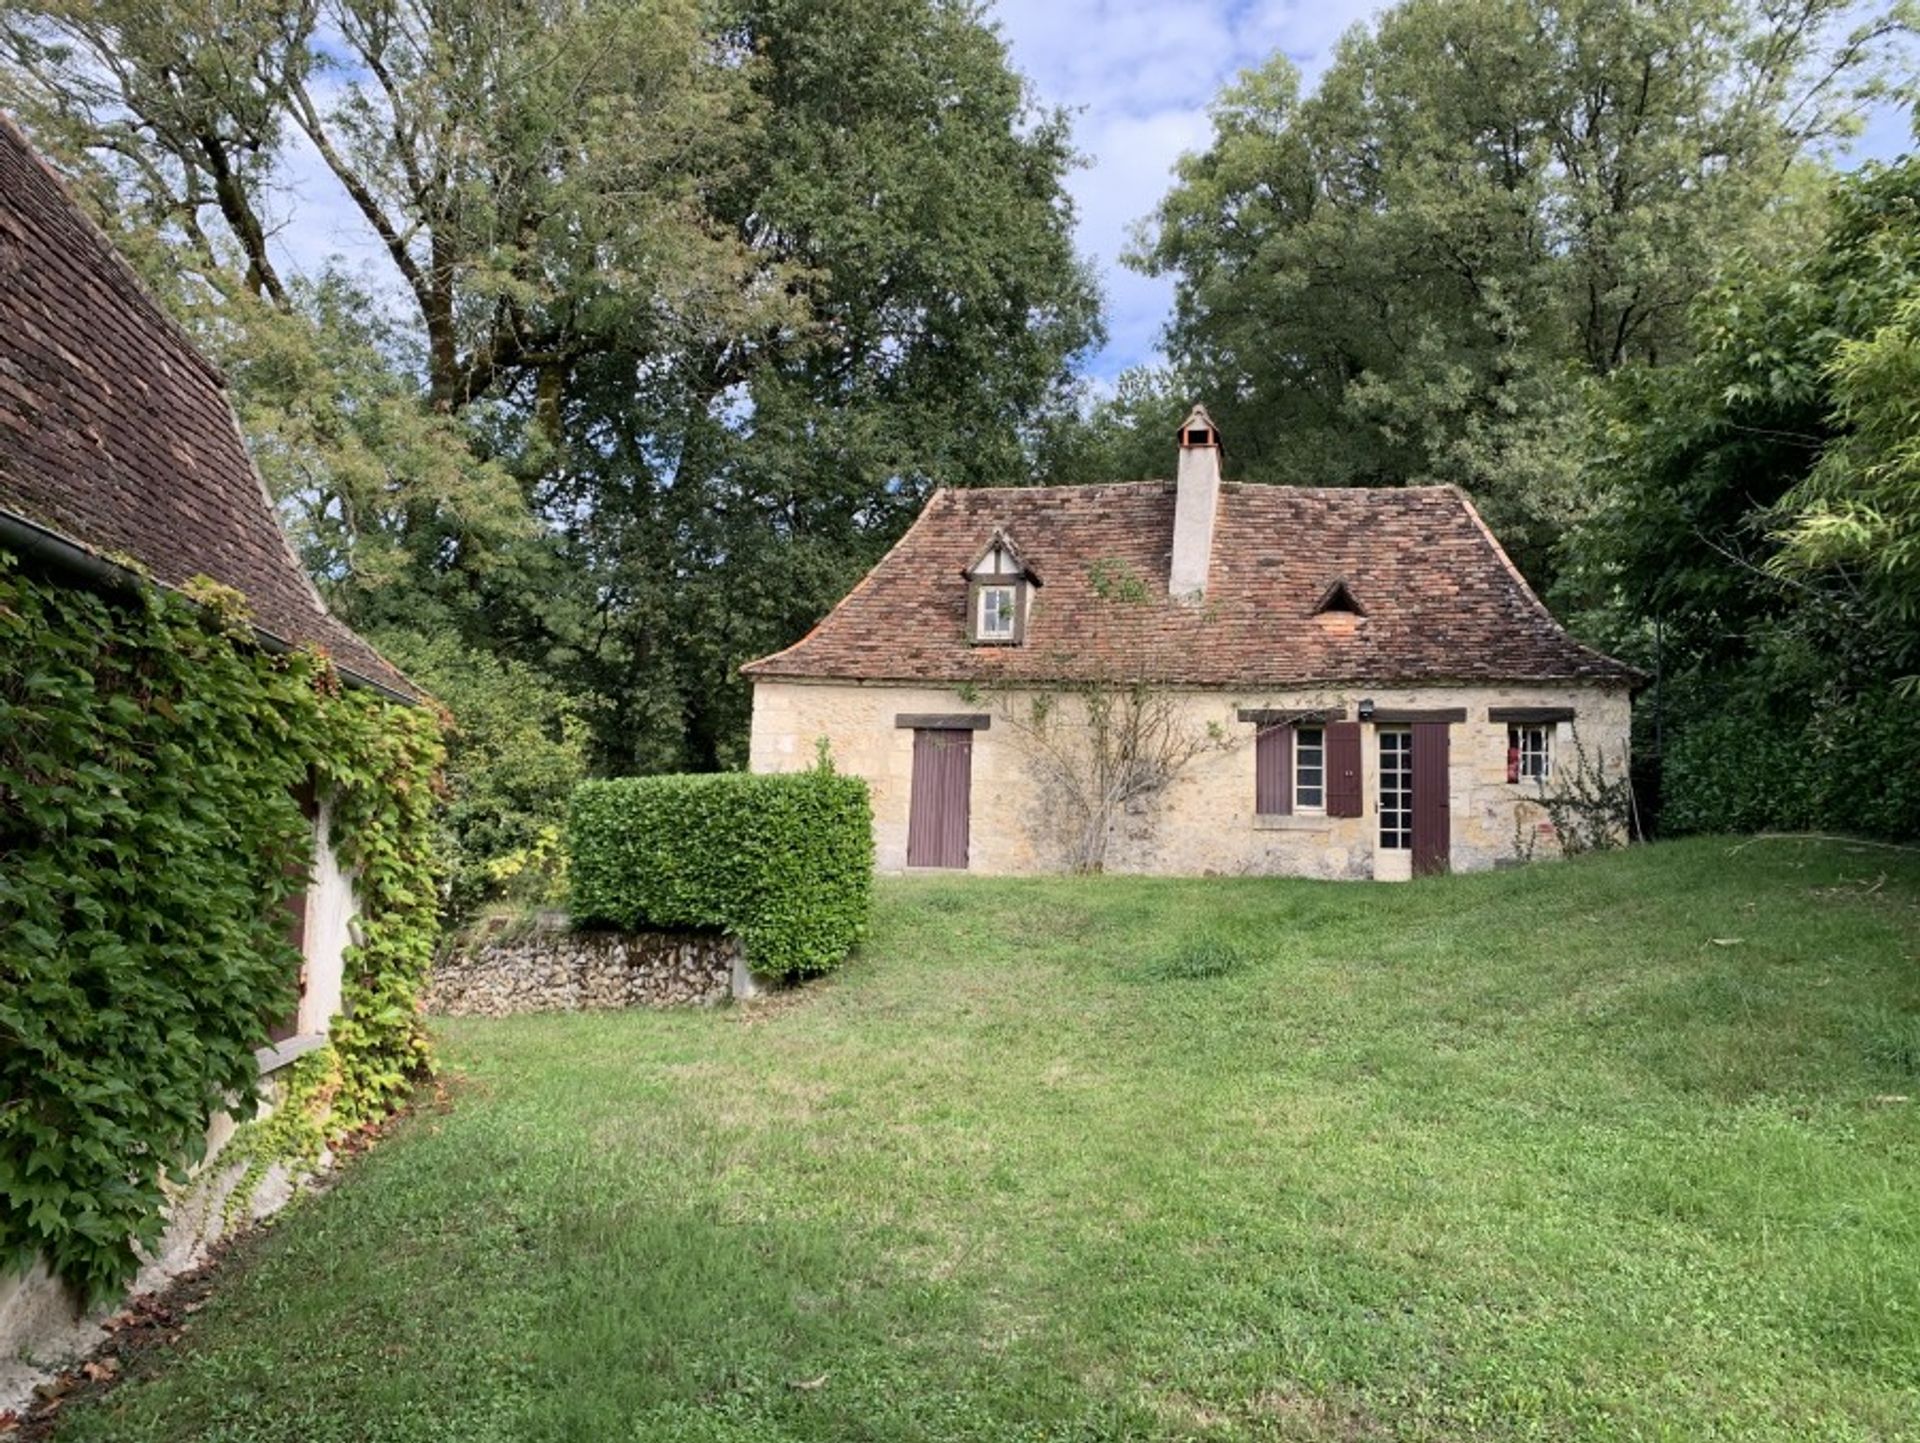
pixel 1406 716
pixel 1530 715
pixel 1281 716
pixel 937 721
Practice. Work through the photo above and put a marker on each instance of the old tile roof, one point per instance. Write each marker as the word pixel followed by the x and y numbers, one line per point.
pixel 116 434
pixel 1439 600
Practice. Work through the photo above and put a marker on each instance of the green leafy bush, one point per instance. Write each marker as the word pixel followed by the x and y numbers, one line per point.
pixel 148 836
pixel 516 751
pixel 784 863
pixel 1770 765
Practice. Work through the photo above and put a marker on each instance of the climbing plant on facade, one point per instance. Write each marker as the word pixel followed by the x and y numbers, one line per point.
pixel 149 753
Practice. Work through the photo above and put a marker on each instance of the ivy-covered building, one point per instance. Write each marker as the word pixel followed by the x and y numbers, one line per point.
pixel 215 797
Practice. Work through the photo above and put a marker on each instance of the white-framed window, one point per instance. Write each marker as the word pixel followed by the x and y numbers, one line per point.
pixel 1529 753
pixel 998 610
pixel 1310 769
pixel 1396 789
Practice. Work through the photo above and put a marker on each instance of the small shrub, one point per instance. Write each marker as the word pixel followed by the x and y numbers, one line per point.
pixel 784 863
pixel 516 752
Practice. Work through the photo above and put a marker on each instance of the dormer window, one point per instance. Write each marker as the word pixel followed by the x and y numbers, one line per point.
pixel 998 614
pixel 1000 590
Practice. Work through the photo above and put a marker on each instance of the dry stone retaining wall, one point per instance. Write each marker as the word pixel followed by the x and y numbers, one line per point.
pixel 552 969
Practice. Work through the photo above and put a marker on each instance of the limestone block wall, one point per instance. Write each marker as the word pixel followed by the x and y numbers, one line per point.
pixel 1205 823
pixel 44 1324
pixel 551 969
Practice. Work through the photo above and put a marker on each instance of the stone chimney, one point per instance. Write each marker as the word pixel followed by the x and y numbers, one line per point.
pixel 1196 503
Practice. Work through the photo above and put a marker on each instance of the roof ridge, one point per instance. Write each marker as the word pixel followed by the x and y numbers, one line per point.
pixel 1062 486
pixel 1066 487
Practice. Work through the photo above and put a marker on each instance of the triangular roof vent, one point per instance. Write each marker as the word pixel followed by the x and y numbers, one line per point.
pixel 1338 598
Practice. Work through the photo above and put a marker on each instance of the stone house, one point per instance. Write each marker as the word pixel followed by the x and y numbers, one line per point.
pixel 121 456
pixel 121 465
pixel 1330 682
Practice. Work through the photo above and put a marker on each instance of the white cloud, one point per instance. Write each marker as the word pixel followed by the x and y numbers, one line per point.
pixel 1138 77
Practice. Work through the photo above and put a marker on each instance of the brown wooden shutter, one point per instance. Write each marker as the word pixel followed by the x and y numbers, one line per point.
pixel 1273 770
pixel 1343 769
pixel 1432 830
pixel 940 804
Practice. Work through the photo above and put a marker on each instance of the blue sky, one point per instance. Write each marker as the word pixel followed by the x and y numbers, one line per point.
pixel 1137 76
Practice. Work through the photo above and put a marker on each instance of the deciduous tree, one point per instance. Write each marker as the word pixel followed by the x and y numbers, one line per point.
pixel 1412 273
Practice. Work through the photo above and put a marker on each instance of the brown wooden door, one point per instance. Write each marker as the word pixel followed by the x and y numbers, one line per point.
pixel 939 809
pixel 1432 827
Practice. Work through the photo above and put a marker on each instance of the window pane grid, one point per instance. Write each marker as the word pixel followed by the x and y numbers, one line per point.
pixel 1529 753
pixel 1309 769
pixel 996 611
pixel 1396 790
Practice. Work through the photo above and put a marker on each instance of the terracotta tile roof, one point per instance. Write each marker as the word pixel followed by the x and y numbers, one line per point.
pixel 1439 599
pixel 116 435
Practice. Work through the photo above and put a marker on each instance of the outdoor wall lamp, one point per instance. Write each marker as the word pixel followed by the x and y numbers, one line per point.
pixel 1366 708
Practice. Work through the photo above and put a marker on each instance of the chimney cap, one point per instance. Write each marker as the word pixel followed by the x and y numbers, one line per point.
pixel 1198 429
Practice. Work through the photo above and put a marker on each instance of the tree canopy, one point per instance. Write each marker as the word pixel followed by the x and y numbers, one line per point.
pixel 671 326
pixel 1413 272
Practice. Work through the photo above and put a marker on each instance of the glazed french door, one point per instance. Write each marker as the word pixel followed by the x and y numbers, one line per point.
pixel 1412 798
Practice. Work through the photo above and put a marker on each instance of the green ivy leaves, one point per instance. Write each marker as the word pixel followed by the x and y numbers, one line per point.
pixel 148 838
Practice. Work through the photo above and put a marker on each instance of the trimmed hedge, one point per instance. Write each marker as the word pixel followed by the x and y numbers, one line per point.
pixel 784 863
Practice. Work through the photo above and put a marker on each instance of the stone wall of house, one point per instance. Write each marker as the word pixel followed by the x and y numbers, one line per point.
pixel 327 931
pixel 552 969
pixel 1205 822
pixel 45 1326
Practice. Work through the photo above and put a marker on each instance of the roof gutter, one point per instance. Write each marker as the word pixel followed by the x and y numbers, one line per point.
pixel 57 554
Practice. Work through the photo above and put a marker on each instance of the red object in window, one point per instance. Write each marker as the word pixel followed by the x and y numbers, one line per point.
pixel 1513 764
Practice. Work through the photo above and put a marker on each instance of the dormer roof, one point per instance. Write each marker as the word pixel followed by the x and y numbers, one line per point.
pixel 1000 557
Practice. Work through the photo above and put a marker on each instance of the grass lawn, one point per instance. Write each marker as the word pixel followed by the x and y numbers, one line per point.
pixel 1611 1149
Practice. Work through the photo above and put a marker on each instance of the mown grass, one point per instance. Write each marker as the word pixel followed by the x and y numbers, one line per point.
pixel 1611 1149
